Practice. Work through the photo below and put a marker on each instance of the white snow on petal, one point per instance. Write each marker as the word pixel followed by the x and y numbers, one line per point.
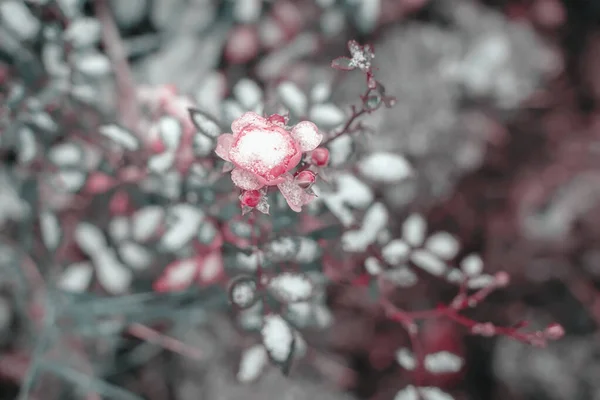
pixel 428 262
pixel 327 115
pixel 188 220
pixel 50 229
pixel 384 167
pixel 442 244
pixel 395 251
pixel 90 239
pixel 248 93
pixel 114 277
pixel 170 132
pixel 443 362
pixel 83 32
pixel 146 221
pixel 17 17
pixel 291 287
pixel 472 265
pixel 254 360
pixel 413 230
pixel 293 98
pixel 93 64
pixel 135 255
pixel 76 277
pixel 278 337
pixel 307 135
pixel 120 136
pixel 66 154
pixel 406 359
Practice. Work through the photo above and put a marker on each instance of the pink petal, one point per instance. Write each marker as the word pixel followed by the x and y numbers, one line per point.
pixel 307 135
pixel 224 145
pixel 246 180
pixel 248 118
pixel 295 196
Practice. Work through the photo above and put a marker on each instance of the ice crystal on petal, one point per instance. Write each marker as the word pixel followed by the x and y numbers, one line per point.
pixel 245 180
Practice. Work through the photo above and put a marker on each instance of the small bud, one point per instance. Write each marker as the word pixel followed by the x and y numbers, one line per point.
pixel 250 198
pixel 305 179
pixel 320 156
pixel 554 331
pixel 277 119
pixel 484 329
pixel 502 279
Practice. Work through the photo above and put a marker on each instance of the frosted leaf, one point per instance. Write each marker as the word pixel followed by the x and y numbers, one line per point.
pixel 455 276
pixel 395 251
pixel 252 363
pixel 161 163
pixel 413 230
pixel 247 11
pixel 212 266
pixel 367 14
pixel 291 287
pixel 323 316
pixel 295 196
pixel 443 362
pixel 340 150
pixel 405 359
pixel 178 275
pixel 118 228
pixel 300 345
pixel 481 281
pixel 320 93
pixel 188 219
pixel 50 229
pixel 443 245
pixel 27 145
pixel 278 338
pixel 83 32
pixel 93 64
pixel 207 233
pixel 205 123
pixel 384 167
pixel 90 239
pixel 472 265
pixel 402 277
pixel 76 277
pixel 146 221
pixel 17 17
pixel 373 266
pixel 66 154
pixel 170 132
pixel 242 292
pixel 44 121
pixel 114 277
pixel 308 252
pixel 232 110
pixel 135 255
pixel 210 94
pixel 428 262
pixel 282 249
pixel 248 261
pixel 248 92
pixel 293 98
pixel 202 145
pixel 327 115
pixel 375 220
pixel 69 180
pixel 307 135
pixel 427 393
pixel 120 136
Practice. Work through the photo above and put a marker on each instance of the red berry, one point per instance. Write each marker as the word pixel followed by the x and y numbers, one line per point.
pixel 250 198
pixel 305 179
pixel 320 156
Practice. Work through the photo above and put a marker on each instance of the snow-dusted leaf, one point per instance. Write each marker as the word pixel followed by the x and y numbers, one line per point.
pixel 427 393
pixel 481 281
pixel 146 221
pixel 320 93
pixel 69 180
pixel 252 363
pixel 472 265
pixel 76 277
pixel 90 239
pixel 15 16
pixel 405 359
pixel 343 64
pixel 120 136
pixel 293 98
pixel 205 124
pixel 242 292
pixel 291 287
pixel 384 167
pixel 27 145
pixel 93 64
pixel 83 32
pixel 114 277
pixel 248 93
pixel 428 262
pixel 367 14
pixel 162 162
pixel 203 145
pixel 178 275
pixel 309 250
pixel 395 252
pixel 119 228
pixel 327 115
pixel 373 266
pixel 279 339
pixel 443 362
pixel 282 249
pixel 248 11
pixel 66 154
pixel 135 255
pixel 413 230
pixel 443 245
pixel 211 269
pixel 374 221
pixel 50 229
pixel 187 222
pixel 170 132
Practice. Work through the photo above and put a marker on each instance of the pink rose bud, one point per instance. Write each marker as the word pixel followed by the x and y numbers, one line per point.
pixel 250 198
pixel 320 156
pixel 305 179
pixel 554 331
